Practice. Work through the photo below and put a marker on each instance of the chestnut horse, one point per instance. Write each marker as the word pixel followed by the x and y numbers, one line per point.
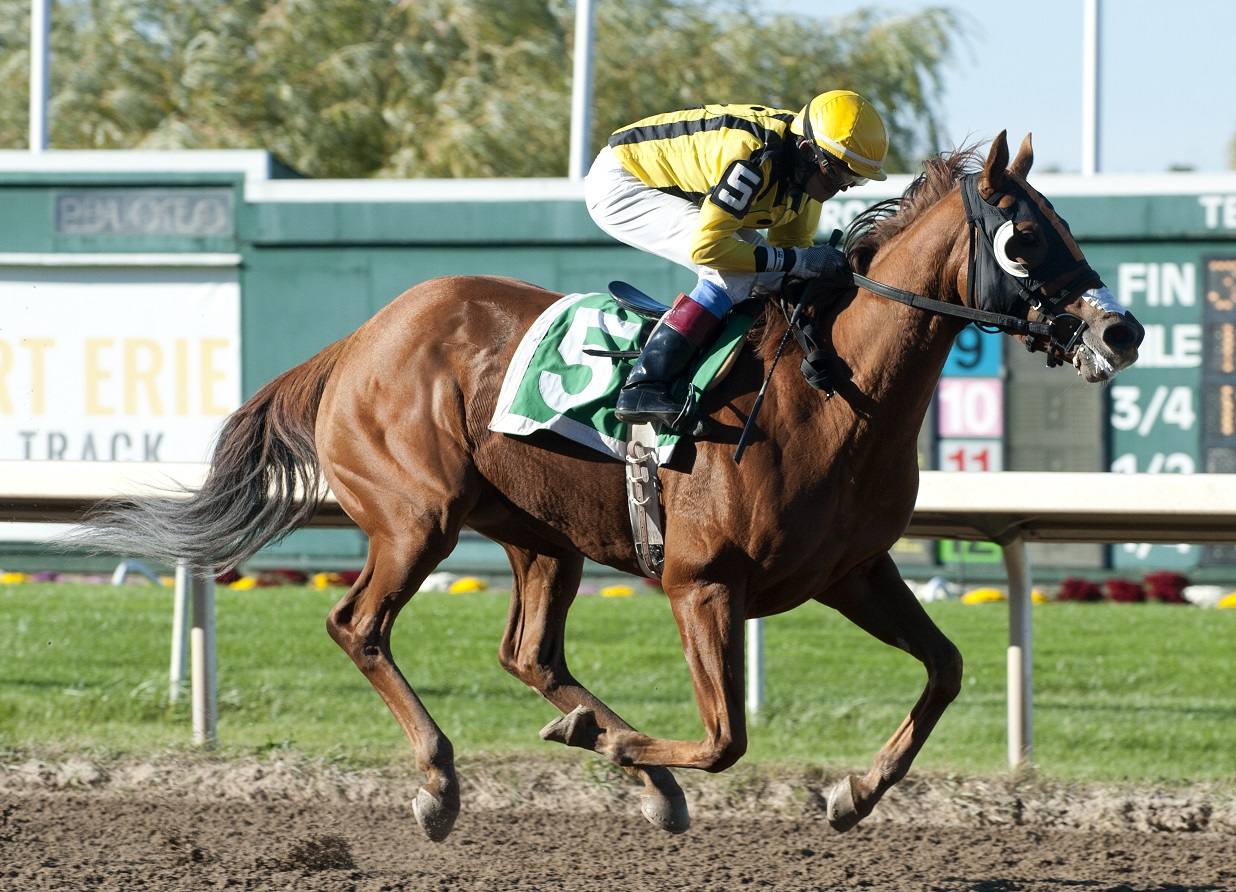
pixel 394 418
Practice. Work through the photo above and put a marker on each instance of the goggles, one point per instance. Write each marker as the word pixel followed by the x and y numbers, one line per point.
pixel 835 173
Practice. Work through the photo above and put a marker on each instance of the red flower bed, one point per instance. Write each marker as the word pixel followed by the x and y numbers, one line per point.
pixel 1076 589
pixel 1166 587
pixel 266 578
pixel 1123 591
pixel 281 576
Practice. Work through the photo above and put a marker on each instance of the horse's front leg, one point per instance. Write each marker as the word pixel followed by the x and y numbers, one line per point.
pixel 710 625
pixel 875 598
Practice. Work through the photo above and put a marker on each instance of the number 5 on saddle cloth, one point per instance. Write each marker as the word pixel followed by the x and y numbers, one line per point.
pixel 566 372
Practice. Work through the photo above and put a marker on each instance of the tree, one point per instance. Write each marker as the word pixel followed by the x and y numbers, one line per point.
pixel 446 88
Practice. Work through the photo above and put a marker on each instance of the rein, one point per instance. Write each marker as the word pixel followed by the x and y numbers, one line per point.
pixel 1003 321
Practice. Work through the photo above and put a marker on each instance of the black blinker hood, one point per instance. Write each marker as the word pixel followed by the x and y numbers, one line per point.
pixel 994 287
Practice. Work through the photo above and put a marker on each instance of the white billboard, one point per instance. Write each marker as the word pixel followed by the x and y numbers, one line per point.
pixel 124 364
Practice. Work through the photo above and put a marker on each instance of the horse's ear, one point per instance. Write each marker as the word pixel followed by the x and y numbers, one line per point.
pixel 1025 158
pixel 991 180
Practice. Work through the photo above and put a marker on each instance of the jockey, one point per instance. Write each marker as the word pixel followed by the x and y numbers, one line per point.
pixel 697 186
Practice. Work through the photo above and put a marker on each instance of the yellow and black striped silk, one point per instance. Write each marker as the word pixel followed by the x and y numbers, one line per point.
pixel 732 161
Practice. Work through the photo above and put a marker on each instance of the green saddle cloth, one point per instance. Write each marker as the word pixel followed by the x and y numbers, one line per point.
pixel 553 384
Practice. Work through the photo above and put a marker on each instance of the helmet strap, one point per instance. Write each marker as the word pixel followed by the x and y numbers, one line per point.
pixel 807 132
pixel 806 160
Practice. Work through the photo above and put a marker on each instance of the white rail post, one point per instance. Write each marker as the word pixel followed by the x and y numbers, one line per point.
pixel 202 639
pixel 1020 693
pixel 40 67
pixel 180 605
pixel 1090 88
pixel 755 666
pixel 581 92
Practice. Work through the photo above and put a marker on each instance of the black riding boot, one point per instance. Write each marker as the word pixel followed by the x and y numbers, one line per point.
pixel 647 396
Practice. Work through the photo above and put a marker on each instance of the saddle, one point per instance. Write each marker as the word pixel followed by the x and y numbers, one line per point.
pixel 805 331
pixel 637 301
pixel 631 298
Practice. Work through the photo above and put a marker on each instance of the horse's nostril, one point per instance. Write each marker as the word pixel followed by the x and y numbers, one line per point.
pixel 1120 336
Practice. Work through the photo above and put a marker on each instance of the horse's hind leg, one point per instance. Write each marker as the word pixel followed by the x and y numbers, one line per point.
pixel 361 623
pixel 710 626
pixel 533 651
pixel 875 598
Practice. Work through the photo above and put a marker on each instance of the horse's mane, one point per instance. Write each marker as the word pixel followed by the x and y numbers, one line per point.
pixel 876 226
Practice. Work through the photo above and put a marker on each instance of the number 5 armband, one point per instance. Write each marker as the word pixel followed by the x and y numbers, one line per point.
pixel 738 187
pixel 772 260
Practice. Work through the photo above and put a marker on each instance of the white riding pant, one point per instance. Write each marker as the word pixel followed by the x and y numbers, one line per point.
pixel 662 224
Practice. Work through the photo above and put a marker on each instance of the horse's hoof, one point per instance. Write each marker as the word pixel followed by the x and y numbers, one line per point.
pixel 668 813
pixel 577 728
pixel 842 813
pixel 436 818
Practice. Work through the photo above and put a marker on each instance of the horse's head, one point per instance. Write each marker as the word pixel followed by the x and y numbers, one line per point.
pixel 1024 262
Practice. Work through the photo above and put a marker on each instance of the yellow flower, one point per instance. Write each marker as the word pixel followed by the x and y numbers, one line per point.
pixel 1037 597
pixel 324 580
pixel 243 584
pixel 13 578
pixel 983 596
pixel 466 585
pixel 1228 601
pixel 617 591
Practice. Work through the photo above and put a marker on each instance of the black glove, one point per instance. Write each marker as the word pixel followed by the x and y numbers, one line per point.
pixel 819 261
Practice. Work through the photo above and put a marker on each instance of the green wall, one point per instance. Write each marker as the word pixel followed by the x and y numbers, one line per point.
pixel 313 270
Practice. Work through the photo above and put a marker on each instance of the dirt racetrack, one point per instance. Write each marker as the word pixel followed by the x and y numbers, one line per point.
pixel 188 822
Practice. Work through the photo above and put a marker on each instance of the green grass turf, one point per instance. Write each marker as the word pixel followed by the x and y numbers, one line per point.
pixel 1135 692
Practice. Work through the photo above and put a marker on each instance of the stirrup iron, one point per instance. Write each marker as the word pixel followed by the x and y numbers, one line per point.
pixel 644 499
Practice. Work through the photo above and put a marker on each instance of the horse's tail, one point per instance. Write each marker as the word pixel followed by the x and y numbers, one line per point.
pixel 264 481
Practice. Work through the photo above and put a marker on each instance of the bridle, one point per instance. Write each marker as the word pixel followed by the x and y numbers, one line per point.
pixel 1044 289
pixel 1001 295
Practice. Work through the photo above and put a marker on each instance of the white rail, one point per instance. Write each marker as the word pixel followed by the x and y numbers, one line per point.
pixel 1009 508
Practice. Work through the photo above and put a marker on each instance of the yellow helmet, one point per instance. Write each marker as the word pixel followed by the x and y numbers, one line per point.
pixel 847 127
